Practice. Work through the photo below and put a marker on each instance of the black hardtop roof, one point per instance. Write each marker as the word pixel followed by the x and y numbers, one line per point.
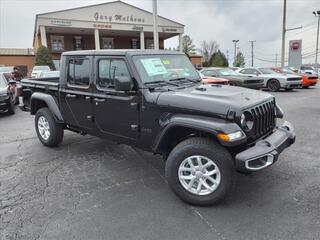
pixel 119 52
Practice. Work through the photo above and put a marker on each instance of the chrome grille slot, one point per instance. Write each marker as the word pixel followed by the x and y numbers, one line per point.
pixel 263 118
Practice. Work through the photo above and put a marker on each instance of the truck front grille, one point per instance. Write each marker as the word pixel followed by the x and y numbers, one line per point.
pixel 264 120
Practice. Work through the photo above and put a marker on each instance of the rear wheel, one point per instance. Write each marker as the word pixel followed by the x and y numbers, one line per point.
pixel 273 85
pixel 11 107
pixel 49 132
pixel 200 171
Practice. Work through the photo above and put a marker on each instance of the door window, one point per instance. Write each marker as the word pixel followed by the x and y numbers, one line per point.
pixel 109 69
pixel 78 72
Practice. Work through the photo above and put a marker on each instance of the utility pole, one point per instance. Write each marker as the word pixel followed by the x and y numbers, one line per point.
pixel 228 55
pixel 252 41
pixel 284 30
pixel 317 14
pixel 155 25
pixel 235 51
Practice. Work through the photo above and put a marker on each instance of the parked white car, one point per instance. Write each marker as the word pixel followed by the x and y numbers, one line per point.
pixel 273 80
pixel 38 69
pixel 308 70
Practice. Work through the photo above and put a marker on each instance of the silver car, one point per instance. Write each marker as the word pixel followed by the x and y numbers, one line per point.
pixel 272 80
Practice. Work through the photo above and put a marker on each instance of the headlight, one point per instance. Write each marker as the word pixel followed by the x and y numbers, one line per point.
pixel 247 121
pixel 230 137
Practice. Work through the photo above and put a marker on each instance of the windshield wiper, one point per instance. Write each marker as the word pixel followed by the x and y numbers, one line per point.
pixel 166 82
pixel 184 78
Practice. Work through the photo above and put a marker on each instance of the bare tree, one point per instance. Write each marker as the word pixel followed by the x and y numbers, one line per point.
pixel 208 49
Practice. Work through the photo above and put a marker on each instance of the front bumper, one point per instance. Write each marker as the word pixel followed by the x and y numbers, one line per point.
pixel 292 84
pixel 266 151
pixel 4 103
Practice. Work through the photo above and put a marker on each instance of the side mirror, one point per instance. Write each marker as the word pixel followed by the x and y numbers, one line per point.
pixel 122 84
pixel 12 82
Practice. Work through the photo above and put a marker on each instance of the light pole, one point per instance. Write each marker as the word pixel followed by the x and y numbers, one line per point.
pixel 235 51
pixel 317 14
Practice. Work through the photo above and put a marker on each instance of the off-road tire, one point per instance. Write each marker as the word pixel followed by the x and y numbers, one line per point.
pixel 207 148
pixel 56 129
pixel 273 85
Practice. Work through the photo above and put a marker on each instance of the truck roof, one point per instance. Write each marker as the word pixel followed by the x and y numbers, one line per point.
pixel 130 52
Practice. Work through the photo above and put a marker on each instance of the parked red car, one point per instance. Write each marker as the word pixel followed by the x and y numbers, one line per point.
pixel 214 80
pixel 307 79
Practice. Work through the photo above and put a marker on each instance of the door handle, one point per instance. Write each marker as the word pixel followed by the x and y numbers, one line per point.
pixel 71 96
pixel 99 100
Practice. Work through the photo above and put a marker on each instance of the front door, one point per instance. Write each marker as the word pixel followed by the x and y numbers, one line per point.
pixel 75 94
pixel 116 113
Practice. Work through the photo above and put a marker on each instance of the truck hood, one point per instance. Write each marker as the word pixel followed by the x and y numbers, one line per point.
pixel 213 99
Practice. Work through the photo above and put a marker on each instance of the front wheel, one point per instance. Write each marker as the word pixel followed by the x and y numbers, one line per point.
pixel 273 85
pixel 49 132
pixel 200 171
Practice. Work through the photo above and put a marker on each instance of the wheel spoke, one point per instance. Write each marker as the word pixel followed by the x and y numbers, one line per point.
pixel 199 186
pixel 187 177
pixel 199 161
pixel 211 180
pixel 191 163
pixel 211 173
pixel 205 184
pixel 185 169
pixel 191 183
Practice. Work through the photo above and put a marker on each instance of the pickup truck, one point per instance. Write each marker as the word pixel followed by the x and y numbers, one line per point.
pixel 155 101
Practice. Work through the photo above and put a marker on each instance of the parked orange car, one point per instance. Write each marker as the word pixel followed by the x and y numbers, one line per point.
pixel 307 79
pixel 214 80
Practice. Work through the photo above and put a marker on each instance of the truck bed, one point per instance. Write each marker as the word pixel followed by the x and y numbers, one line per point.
pixel 41 83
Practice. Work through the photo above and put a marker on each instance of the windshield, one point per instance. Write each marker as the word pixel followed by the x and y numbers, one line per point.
pixel 41 68
pixel 3 82
pixel 266 71
pixel 287 71
pixel 226 72
pixel 6 69
pixel 163 68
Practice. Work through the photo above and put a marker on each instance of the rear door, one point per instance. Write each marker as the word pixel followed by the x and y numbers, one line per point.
pixel 76 91
pixel 116 113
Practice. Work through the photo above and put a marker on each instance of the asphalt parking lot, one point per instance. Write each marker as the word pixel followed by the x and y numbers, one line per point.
pixel 88 188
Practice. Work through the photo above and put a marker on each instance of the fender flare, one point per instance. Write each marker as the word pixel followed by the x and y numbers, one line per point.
pixel 205 124
pixel 51 103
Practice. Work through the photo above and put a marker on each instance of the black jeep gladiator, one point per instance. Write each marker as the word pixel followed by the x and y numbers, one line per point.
pixel 154 100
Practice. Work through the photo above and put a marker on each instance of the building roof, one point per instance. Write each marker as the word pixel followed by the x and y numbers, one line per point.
pixel 107 3
pixel 17 51
pixel 104 10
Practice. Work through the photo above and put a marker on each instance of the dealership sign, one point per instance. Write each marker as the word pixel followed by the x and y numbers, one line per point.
pixel 295 55
pixel 118 18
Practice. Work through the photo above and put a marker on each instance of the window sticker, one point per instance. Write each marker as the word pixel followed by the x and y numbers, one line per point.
pixel 154 66
pixel 166 62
